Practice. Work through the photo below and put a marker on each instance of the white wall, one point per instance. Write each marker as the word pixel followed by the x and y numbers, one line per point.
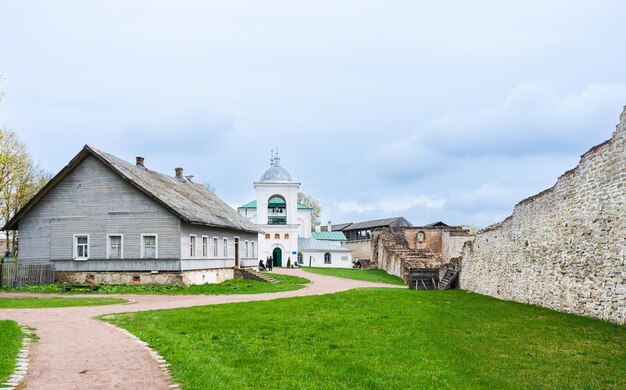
pixel 316 259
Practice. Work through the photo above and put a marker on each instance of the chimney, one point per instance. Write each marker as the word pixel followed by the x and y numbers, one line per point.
pixel 179 174
pixel 330 227
pixel 139 161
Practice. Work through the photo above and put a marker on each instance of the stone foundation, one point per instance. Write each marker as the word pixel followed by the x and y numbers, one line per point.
pixel 184 278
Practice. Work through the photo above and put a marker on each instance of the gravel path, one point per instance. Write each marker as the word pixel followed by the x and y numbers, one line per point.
pixel 77 352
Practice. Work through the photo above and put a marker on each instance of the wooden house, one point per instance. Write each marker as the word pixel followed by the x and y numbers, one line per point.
pixel 105 220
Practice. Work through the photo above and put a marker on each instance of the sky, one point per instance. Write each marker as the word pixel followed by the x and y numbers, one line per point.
pixel 431 110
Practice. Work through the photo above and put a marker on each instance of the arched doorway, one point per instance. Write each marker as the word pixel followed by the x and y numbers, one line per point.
pixel 277 255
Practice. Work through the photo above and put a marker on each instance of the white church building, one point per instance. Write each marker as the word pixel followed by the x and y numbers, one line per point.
pixel 285 225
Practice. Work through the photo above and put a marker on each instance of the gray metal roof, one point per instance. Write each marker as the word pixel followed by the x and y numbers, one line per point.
pixel 313 245
pixel 192 202
pixel 377 223
pixel 276 173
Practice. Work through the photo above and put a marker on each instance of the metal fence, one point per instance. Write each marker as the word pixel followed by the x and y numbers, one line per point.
pixel 14 274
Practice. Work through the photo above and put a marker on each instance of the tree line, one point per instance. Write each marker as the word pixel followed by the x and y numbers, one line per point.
pixel 20 179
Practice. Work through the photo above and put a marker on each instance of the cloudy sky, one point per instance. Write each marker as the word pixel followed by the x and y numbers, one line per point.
pixel 433 110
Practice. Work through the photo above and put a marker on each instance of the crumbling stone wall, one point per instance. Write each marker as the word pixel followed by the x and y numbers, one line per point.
pixel 565 247
pixel 361 249
pixel 398 250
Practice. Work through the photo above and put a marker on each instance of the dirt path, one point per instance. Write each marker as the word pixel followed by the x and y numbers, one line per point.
pixel 77 352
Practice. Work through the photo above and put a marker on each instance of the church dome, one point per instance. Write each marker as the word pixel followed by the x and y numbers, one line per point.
pixel 276 173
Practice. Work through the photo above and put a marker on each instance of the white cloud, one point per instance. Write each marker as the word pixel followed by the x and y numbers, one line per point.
pixel 392 205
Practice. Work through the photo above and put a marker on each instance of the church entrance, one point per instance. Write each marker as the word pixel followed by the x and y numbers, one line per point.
pixel 277 255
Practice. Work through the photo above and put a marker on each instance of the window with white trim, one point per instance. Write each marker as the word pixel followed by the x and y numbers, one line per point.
pixel 253 249
pixel 149 246
pixel 81 246
pixel 215 247
pixel 115 246
pixel 205 246
pixel 326 258
pixel 247 249
pixel 192 245
pixel 225 252
pixel 300 258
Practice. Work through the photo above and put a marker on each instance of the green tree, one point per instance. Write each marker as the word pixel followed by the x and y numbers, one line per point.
pixel 313 203
pixel 20 179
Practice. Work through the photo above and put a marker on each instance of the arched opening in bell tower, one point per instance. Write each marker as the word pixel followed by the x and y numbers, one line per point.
pixel 277 210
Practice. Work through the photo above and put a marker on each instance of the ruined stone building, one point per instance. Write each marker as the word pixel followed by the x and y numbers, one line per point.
pixel 433 246
pixel 394 245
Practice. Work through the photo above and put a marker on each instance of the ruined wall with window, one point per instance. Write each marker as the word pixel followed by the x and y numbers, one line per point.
pixel 398 250
pixel 565 247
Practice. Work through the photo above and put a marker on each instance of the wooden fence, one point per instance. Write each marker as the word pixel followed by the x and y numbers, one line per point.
pixel 26 273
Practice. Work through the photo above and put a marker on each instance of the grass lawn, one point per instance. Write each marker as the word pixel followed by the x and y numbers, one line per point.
pixel 372 275
pixel 234 286
pixel 11 336
pixel 382 339
pixel 38 303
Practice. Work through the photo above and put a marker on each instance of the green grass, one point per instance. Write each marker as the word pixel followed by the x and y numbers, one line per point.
pixel 11 336
pixel 383 339
pixel 372 275
pixel 233 286
pixel 38 303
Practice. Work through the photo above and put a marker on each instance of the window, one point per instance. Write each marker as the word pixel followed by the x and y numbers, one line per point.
pixel 215 254
pixel 286 236
pixel 225 247
pixel 326 258
pixel 267 236
pixel 247 249
pixel 81 246
pixel 192 246
pixel 115 249
pixel 277 236
pixel 205 246
pixel 300 259
pixel 253 249
pixel 149 246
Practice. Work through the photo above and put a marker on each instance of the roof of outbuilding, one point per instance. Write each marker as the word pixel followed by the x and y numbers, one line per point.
pixel 272 202
pixel 329 236
pixel 376 223
pixel 313 245
pixel 192 202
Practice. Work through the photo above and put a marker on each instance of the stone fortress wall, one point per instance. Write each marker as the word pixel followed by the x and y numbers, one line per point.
pixel 565 247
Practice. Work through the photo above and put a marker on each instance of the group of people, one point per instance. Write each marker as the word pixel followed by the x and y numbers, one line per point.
pixel 270 265
pixel 262 266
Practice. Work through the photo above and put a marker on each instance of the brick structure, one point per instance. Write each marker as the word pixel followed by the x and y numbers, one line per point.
pixel 432 246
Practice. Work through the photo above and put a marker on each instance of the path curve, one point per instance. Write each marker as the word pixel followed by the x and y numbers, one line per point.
pixel 77 352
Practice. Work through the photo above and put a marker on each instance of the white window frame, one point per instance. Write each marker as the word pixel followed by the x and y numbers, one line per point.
pixel 75 251
pixel 216 247
pixel 143 247
pixel 247 244
pixel 205 246
pixel 193 245
pixel 330 258
pixel 253 247
pixel 108 251
pixel 225 246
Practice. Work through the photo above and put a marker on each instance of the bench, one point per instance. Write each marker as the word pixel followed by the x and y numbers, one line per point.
pixel 70 287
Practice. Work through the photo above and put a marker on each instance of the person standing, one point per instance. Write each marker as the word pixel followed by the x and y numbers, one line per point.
pixel 270 264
